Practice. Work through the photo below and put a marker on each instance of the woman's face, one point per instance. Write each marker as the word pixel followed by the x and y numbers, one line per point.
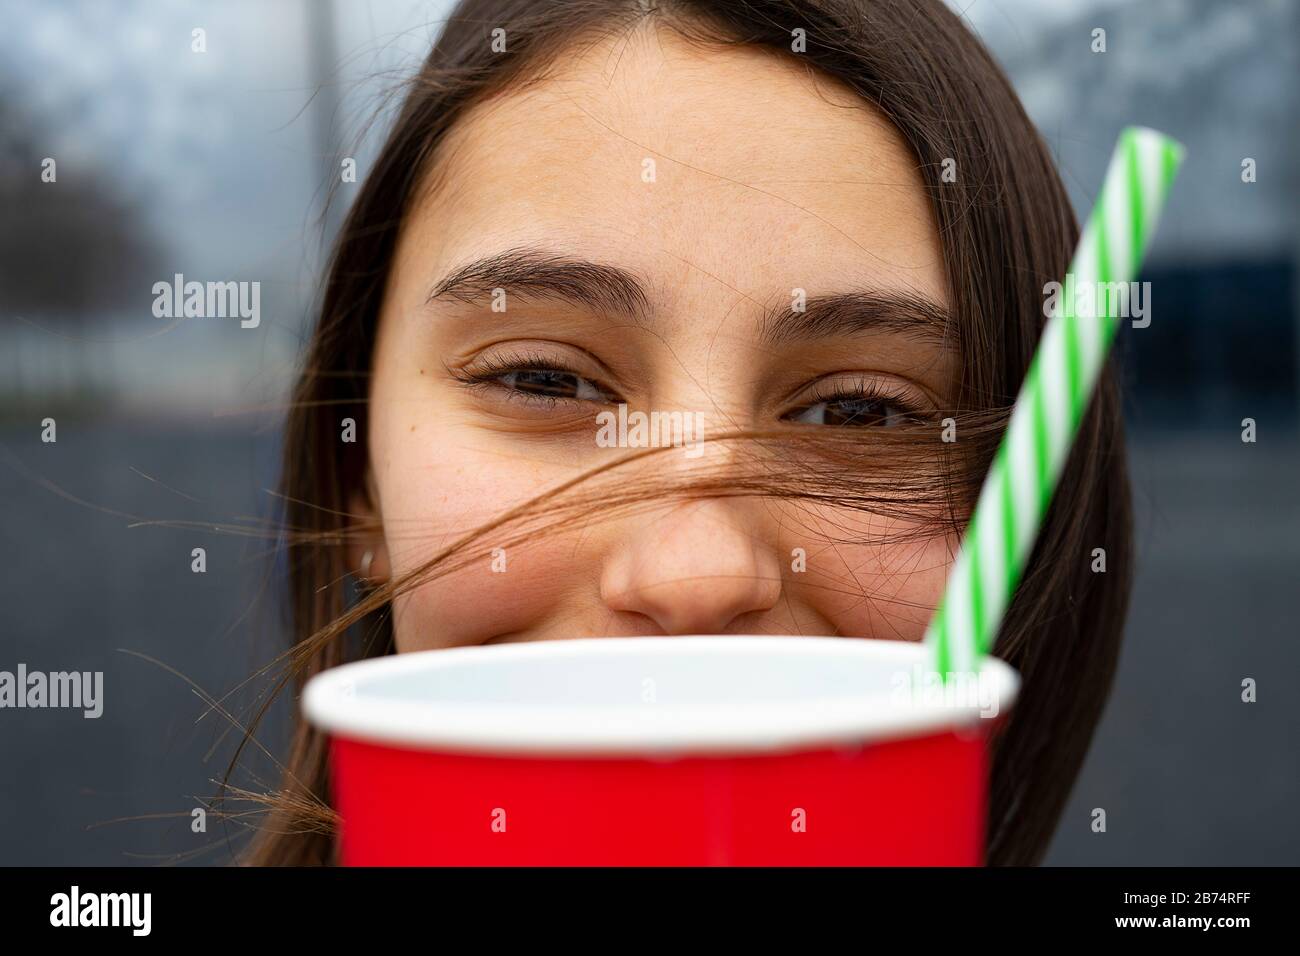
pixel 636 229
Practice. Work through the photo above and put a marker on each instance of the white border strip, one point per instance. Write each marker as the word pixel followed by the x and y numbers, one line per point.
pixel 336 702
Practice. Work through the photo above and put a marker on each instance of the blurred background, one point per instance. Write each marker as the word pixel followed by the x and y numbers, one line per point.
pixel 217 165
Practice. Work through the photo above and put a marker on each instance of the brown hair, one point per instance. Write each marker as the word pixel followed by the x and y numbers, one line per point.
pixel 1007 229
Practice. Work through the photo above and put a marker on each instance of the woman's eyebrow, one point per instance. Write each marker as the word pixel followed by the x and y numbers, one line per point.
pixel 854 313
pixel 612 290
pixel 546 275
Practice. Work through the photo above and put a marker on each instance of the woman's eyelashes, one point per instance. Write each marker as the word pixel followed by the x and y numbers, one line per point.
pixel 533 380
pixel 545 383
pixel 860 404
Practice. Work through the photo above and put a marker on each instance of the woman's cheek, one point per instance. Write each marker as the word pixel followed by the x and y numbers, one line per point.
pixel 868 576
pixel 498 586
pixel 501 593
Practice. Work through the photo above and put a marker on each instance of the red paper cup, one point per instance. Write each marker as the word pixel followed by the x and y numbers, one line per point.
pixel 660 751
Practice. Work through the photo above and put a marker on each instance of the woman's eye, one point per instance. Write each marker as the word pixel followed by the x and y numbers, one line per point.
pixel 862 411
pixel 551 383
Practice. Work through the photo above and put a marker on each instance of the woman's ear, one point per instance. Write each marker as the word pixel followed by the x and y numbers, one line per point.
pixel 367 553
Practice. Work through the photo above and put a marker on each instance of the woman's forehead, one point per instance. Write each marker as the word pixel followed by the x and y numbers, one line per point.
pixel 697 166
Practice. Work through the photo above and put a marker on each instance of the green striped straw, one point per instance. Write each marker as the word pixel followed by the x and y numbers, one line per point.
pixel 1051 403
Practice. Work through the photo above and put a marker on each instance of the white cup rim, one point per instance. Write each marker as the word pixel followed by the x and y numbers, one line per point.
pixel 357 701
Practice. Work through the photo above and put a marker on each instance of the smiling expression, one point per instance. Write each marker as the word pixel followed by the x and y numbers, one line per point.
pixel 719 232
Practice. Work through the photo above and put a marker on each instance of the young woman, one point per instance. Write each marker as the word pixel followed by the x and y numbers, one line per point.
pixel 821 227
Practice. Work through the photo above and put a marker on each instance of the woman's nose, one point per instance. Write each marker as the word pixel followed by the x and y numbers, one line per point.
pixel 696 569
